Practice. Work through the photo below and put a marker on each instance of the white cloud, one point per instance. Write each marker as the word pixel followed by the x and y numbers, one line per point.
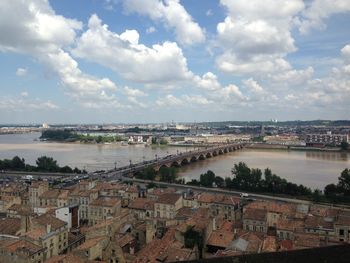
pixel 20 72
pixel 169 101
pixel 196 99
pixel 209 81
pixel 174 15
pixel 44 35
pixel 122 53
pixel 24 94
pixel 134 92
pixel 253 86
pixel 151 30
pixel 20 104
pixel 345 51
pixel 319 10
pixel 256 35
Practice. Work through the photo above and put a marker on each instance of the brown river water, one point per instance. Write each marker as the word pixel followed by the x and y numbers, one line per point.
pixel 313 169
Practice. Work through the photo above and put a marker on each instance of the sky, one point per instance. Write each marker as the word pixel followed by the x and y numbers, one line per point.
pixel 137 61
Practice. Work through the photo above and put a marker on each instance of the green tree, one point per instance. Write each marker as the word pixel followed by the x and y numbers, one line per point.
pixel 344 182
pixel 331 190
pixel 207 179
pixel 219 181
pixel 66 169
pixel 148 173
pixel 344 146
pixel 47 164
pixel 168 174
pixel 18 163
pixel 241 173
pixel 194 238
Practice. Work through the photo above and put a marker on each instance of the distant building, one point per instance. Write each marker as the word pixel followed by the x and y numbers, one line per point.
pixel 45 126
pixel 326 139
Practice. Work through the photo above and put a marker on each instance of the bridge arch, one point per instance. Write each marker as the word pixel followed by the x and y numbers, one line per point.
pixel 201 157
pixel 185 161
pixel 175 164
pixel 193 159
pixel 208 155
pixel 214 153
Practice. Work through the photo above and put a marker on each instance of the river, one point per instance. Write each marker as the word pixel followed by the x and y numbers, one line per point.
pixel 313 169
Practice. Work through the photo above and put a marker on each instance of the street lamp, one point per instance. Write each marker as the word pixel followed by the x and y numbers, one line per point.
pixel 130 162
pixel 115 165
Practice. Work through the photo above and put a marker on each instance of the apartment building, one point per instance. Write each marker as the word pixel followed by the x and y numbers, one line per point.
pixel 35 190
pixel 167 205
pixel 103 208
pixel 48 232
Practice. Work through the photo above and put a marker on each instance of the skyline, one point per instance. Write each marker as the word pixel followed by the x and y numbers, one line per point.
pixel 133 61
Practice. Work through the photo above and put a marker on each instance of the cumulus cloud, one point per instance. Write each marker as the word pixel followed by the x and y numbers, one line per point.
pixel 169 101
pixel 345 51
pixel 255 35
pixel 209 81
pixel 134 92
pixel 21 104
pixel 173 14
pixel 253 86
pixel 318 11
pixel 122 53
pixel 20 72
pixel 24 94
pixel 44 35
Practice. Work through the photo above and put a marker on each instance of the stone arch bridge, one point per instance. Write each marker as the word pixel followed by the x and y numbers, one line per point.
pixel 184 158
pixel 174 160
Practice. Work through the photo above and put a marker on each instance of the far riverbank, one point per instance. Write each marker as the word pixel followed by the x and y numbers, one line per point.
pixel 294 148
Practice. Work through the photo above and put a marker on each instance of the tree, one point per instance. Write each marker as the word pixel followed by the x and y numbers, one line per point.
pixel 344 146
pixel 241 174
pixel 194 238
pixel 47 164
pixel 167 174
pixel 66 169
pixel 344 181
pixel 207 179
pixel 148 173
pixel 219 181
pixel 18 163
pixel 331 190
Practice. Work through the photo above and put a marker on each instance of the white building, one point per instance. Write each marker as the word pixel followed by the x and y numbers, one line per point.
pixel 69 214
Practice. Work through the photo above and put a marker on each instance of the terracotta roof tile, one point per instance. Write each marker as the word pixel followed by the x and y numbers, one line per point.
pixel 105 202
pixel 48 219
pixel 142 204
pixel 90 243
pixel 255 214
pixel 220 238
pixel 168 198
pixel 10 226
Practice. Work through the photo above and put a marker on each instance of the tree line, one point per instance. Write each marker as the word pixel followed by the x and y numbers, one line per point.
pixel 43 164
pixel 69 136
pixel 165 174
pixel 249 179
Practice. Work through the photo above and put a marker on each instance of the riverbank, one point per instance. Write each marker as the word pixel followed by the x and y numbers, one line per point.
pixel 294 148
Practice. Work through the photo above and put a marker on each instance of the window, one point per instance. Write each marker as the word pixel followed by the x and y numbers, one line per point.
pixel 341 232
